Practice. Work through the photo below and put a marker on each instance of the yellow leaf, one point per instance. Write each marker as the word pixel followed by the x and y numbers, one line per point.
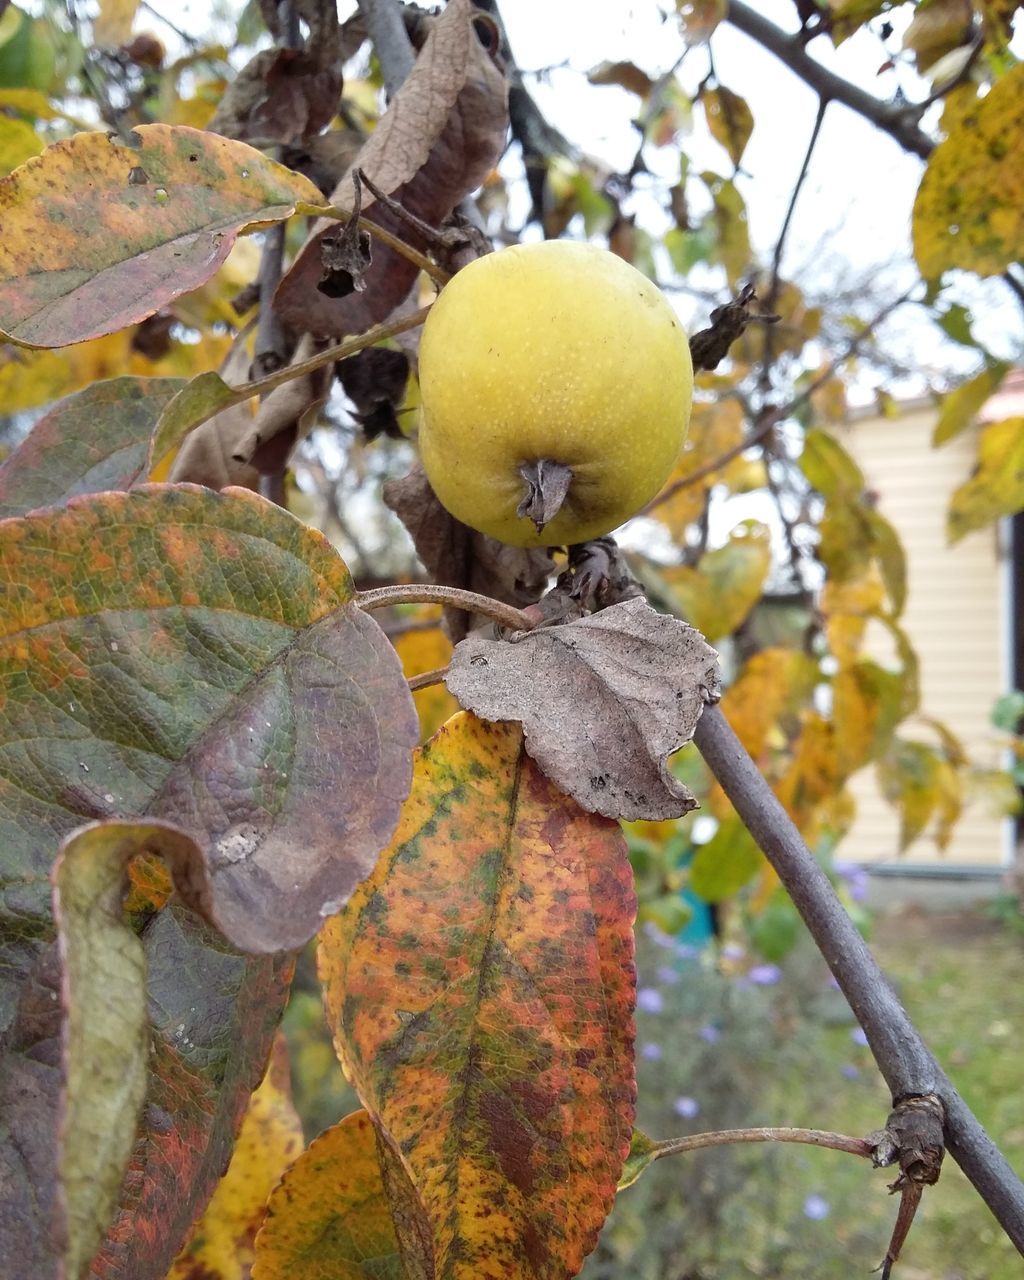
pixel 718 594
pixel 699 18
pixel 329 1217
pixel 730 120
pixel 772 687
pixel 960 405
pixel 113 24
pixel 997 486
pixel 969 210
pixel 18 141
pixel 221 1246
pixel 714 430
pixel 847 606
pixel 427 650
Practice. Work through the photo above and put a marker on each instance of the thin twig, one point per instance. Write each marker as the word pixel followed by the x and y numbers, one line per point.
pixel 387 329
pixel 902 1056
pixel 773 288
pixel 723 1137
pixel 427 678
pixel 390 41
pixel 716 464
pixel 505 615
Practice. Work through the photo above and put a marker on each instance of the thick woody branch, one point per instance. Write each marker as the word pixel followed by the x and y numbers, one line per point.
pixel 902 1056
pixel 899 123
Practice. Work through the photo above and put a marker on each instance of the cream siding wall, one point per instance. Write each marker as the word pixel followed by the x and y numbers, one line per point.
pixel 955 617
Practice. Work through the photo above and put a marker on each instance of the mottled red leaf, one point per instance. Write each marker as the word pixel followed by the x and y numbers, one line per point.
pixel 480 987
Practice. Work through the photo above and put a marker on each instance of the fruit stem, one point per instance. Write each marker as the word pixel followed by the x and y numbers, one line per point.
pixel 505 615
pixel 547 484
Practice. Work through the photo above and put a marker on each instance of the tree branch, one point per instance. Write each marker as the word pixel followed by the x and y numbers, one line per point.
pixel 390 39
pixel 899 123
pixel 902 1056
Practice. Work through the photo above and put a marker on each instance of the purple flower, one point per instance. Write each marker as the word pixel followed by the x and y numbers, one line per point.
pixel 733 951
pixel 816 1208
pixel 765 975
pixel 649 1000
pixel 710 1033
pixel 859 1036
pixel 686 1107
pixel 849 1071
pixel 651 1052
pixel 685 952
pixel 856 878
pixel 665 973
pixel 658 936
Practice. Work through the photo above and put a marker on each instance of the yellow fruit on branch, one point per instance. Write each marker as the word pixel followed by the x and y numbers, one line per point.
pixel 555 385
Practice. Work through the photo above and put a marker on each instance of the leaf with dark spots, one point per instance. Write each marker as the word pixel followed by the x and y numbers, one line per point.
pixel 86 252
pixel 280 96
pixel 442 133
pixel 603 702
pixel 94 440
pixel 480 990
pixel 329 1214
pixel 458 556
pixel 191 656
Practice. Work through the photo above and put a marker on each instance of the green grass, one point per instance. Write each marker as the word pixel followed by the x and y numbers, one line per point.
pixel 786 1054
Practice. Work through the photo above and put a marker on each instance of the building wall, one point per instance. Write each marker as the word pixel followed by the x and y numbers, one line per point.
pixel 955 617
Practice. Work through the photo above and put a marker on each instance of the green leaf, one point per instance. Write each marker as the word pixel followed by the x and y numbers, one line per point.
pixel 829 467
pixel 106 1040
pixel 728 861
pixel 643 1151
pixel 99 234
pixel 960 406
pixel 969 210
pixel 997 486
pixel 94 440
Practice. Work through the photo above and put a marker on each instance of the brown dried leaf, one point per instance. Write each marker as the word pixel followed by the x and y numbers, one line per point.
pixel 207 454
pixel 457 556
pixel 280 96
pixel 441 135
pixel 603 702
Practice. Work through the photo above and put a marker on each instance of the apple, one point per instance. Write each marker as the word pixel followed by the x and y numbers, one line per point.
pixel 555 387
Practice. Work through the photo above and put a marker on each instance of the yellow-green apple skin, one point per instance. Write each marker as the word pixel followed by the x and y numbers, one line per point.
pixel 557 351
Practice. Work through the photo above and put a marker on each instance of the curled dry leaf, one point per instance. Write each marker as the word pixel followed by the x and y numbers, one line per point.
pixel 603 702
pixel 457 556
pixel 442 133
pixel 280 96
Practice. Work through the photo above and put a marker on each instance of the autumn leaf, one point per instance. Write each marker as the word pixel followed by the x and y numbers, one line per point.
pixel 715 429
pixel 718 593
pixel 94 440
pixel 730 120
pixel 424 647
pixel 727 862
pixel 997 486
pixel 960 406
pixel 480 988
pixel 105 1034
pixel 442 132
pixel 699 18
pixel 315 723
pixel 222 1243
pixel 210 670
pixel 113 23
pixel 329 1215
pixel 99 234
pixel 866 707
pixel 603 702
pixel 969 210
